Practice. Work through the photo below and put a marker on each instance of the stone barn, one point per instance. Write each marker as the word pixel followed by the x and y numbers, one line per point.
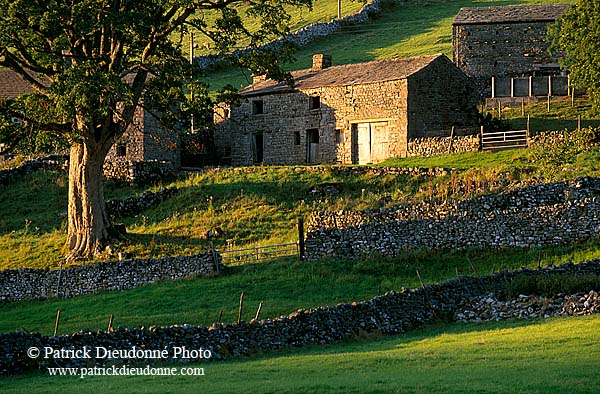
pixel 355 113
pixel 507 42
pixel 145 140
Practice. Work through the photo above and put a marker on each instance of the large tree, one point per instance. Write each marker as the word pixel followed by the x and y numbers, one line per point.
pixel 577 35
pixel 93 62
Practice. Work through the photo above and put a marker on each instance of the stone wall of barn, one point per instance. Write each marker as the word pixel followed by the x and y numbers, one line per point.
pixel 501 50
pixel 286 119
pixel 441 96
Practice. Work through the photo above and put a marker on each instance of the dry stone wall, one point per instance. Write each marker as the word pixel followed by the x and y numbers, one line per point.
pixel 390 314
pixel 139 171
pixel 35 284
pixel 54 162
pixel 305 35
pixel 532 216
pixel 431 146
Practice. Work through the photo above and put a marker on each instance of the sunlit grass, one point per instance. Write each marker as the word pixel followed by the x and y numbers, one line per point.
pixel 546 357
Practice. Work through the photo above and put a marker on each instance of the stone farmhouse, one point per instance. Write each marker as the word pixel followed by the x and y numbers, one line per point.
pixel 505 50
pixel 145 140
pixel 355 113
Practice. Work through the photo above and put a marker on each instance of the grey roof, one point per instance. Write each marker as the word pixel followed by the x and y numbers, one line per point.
pixel 12 85
pixel 513 13
pixel 348 74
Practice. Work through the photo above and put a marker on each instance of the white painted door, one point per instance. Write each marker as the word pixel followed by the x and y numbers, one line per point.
pixel 364 143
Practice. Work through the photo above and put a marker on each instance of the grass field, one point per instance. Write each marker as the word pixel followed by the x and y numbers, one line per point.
pixel 551 356
pixel 284 286
pixel 411 28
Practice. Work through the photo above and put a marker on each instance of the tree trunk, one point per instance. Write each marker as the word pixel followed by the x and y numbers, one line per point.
pixel 88 221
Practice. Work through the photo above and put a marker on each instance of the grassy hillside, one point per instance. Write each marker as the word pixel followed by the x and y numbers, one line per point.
pixel 551 356
pixel 409 28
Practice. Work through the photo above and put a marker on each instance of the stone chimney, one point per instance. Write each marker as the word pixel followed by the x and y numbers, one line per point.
pixel 258 78
pixel 321 61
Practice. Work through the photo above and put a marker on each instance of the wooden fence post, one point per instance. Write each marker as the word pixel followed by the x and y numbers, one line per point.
pixel 522 106
pixel 258 311
pixel 214 256
pixel 220 316
pixel 481 138
pixel 110 324
pixel 301 238
pixel 239 319
pixel 549 103
pixel 578 122
pixel 57 322
pixel 451 140
pixel 528 127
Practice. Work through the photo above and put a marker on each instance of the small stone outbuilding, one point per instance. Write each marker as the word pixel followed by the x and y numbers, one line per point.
pixel 507 42
pixel 355 113
pixel 145 140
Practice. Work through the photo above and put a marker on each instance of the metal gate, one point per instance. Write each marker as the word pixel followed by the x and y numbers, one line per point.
pixel 499 140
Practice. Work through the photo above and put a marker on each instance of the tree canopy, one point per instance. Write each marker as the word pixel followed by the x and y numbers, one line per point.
pixel 92 63
pixel 577 35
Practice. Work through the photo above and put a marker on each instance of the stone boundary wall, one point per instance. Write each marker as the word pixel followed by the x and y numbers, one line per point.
pixel 139 171
pixel 305 35
pixel 127 171
pixel 532 216
pixel 134 205
pixel 36 284
pixel 431 146
pixel 390 314
pixel 53 162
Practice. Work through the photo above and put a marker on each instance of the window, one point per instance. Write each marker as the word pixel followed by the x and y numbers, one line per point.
pixel 296 138
pixel 257 107
pixel 314 102
pixel 339 136
pixel 121 150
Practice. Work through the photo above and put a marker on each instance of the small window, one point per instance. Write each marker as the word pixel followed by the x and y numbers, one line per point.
pixel 339 136
pixel 314 102
pixel 257 107
pixel 121 150
pixel 296 138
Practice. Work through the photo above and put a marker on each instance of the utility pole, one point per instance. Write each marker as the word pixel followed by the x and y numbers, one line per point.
pixel 192 75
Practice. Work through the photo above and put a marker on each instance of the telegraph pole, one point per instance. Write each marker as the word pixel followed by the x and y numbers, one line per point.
pixel 192 75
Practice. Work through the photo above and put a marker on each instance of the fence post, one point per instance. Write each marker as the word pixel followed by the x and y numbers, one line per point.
pixel 57 322
pixel 214 256
pixel 499 109
pixel 549 85
pixel 301 238
pixel 239 319
pixel 451 140
pixel 493 87
pixel 258 311
pixel 522 106
pixel 548 102
pixel 578 122
pixel 528 127
pixel 481 138
pixel 530 86
pixel 110 324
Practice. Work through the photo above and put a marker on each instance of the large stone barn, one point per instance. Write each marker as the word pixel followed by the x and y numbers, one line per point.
pixel 355 113
pixel 145 140
pixel 494 44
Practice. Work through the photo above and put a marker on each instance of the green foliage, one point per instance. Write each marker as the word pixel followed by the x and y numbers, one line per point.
pixel 551 284
pixel 577 34
pixel 554 157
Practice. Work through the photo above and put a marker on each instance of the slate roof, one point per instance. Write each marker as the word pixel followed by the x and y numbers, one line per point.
pixel 348 74
pixel 501 14
pixel 12 85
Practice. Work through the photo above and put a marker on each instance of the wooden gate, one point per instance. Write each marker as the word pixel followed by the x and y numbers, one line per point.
pixel 499 140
